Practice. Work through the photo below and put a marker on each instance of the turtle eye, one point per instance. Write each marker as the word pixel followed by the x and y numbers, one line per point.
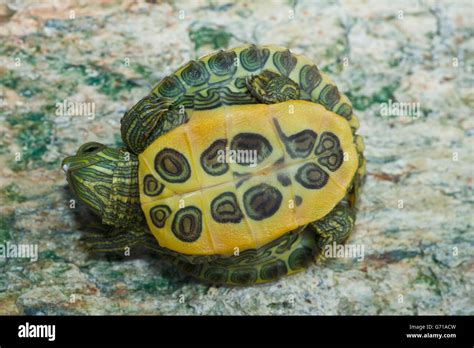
pixel 89 148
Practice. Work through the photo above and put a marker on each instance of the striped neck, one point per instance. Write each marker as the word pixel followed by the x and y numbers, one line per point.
pixel 123 208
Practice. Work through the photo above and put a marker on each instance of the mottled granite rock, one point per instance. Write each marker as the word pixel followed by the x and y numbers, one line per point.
pixel 416 214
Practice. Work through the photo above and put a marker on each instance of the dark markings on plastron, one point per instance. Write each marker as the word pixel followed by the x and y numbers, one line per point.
pixel 311 176
pixel 240 175
pixel 298 200
pixel 210 158
pixel 216 274
pixel 172 166
pixel 262 201
pixel 151 186
pixel 283 179
pixel 244 177
pixel 159 214
pixel 328 142
pixel 251 142
pixel 244 276
pixel 225 208
pixel 329 152
pixel 187 224
pixel 302 143
pixel 298 145
pixel 333 161
pixel 300 258
pixel 273 270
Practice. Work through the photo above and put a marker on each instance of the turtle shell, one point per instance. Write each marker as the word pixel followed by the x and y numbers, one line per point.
pixel 237 177
pixel 220 79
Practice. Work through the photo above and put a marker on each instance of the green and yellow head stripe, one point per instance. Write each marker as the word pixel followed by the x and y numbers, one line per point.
pixel 106 180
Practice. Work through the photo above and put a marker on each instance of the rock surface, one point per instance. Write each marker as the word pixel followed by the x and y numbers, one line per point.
pixel 416 215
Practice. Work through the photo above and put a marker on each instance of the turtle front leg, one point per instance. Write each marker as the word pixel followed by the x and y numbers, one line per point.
pixel 148 119
pixel 270 87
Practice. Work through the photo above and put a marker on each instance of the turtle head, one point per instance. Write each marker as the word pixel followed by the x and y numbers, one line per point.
pixel 106 180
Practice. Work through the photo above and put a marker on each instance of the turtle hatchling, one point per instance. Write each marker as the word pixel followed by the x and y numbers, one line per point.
pixel 239 167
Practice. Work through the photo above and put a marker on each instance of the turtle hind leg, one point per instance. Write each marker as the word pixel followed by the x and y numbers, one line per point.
pixel 270 87
pixel 335 227
pixel 287 255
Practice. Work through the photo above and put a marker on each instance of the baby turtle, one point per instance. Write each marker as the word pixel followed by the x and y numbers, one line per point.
pixel 239 167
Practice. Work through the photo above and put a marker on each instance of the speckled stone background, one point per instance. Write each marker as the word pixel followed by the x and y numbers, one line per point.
pixel 416 215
